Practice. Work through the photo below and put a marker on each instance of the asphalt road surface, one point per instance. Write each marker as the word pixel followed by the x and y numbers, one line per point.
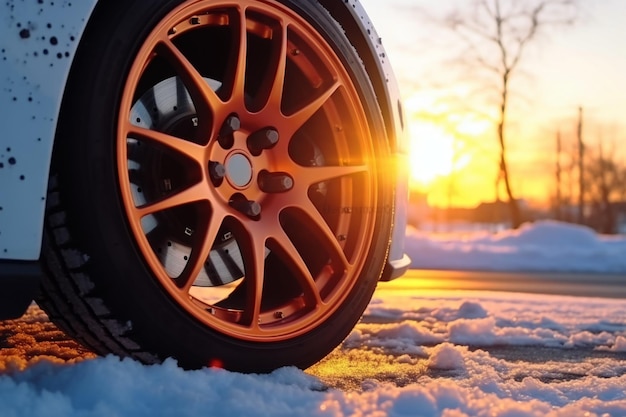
pixel 575 284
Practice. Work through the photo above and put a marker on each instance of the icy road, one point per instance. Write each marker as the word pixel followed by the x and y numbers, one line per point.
pixel 432 353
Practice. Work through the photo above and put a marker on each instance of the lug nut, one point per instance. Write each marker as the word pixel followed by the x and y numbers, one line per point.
pixel 217 171
pixel 230 126
pixel 248 207
pixel 275 182
pixel 262 139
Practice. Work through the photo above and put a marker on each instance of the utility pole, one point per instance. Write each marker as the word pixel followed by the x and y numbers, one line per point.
pixel 581 168
pixel 557 211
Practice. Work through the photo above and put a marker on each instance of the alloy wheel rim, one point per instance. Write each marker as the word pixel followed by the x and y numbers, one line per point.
pixel 248 182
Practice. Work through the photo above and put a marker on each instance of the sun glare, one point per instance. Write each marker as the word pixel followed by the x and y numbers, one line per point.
pixel 432 153
pixel 444 142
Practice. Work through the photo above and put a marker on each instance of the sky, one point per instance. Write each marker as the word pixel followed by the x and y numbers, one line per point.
pixel 445 344
pixel 565 68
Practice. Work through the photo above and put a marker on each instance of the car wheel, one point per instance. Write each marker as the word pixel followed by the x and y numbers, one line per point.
pixel 218 191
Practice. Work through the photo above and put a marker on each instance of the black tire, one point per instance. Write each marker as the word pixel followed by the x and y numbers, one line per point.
pixel 297 259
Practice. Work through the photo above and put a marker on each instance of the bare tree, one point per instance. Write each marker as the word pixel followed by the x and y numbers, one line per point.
pixel 600 187
pixel 496 34
pixel 581 167
pixel 604 187
pixel 558 198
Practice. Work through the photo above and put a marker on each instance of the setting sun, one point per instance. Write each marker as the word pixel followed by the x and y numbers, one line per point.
pixel 451 159
pixel 432 153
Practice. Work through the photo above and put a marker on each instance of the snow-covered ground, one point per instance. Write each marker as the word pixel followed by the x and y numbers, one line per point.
pixel 449 354
pixel 542 246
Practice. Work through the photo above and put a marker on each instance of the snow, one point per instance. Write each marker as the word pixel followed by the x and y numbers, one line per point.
pixel 541 246
pixel 454 352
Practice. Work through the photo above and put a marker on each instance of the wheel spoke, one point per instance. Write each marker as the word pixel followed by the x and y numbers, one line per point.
pixel 240 72
pixel 316 224
pixel 256 290
pixel 314 175
pixel 235 80
pixel 200 253
pixel 181 146
pixel 204 98
pixel 271 92
pixel 301 116
pixel 291 256
pixel 253 253
pixel 278 84
pixel 197 192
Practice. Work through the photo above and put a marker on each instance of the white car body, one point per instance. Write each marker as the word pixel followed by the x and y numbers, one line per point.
pixel 32 83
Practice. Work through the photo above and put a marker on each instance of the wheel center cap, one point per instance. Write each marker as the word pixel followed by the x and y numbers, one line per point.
pixel 239 170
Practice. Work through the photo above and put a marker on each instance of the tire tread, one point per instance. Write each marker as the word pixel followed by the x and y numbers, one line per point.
pixel 69 296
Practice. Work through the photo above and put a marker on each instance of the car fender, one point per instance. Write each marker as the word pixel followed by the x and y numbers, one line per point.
pixel 38 41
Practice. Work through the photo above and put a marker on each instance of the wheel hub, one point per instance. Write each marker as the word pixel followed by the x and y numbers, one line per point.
pixel 239 170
